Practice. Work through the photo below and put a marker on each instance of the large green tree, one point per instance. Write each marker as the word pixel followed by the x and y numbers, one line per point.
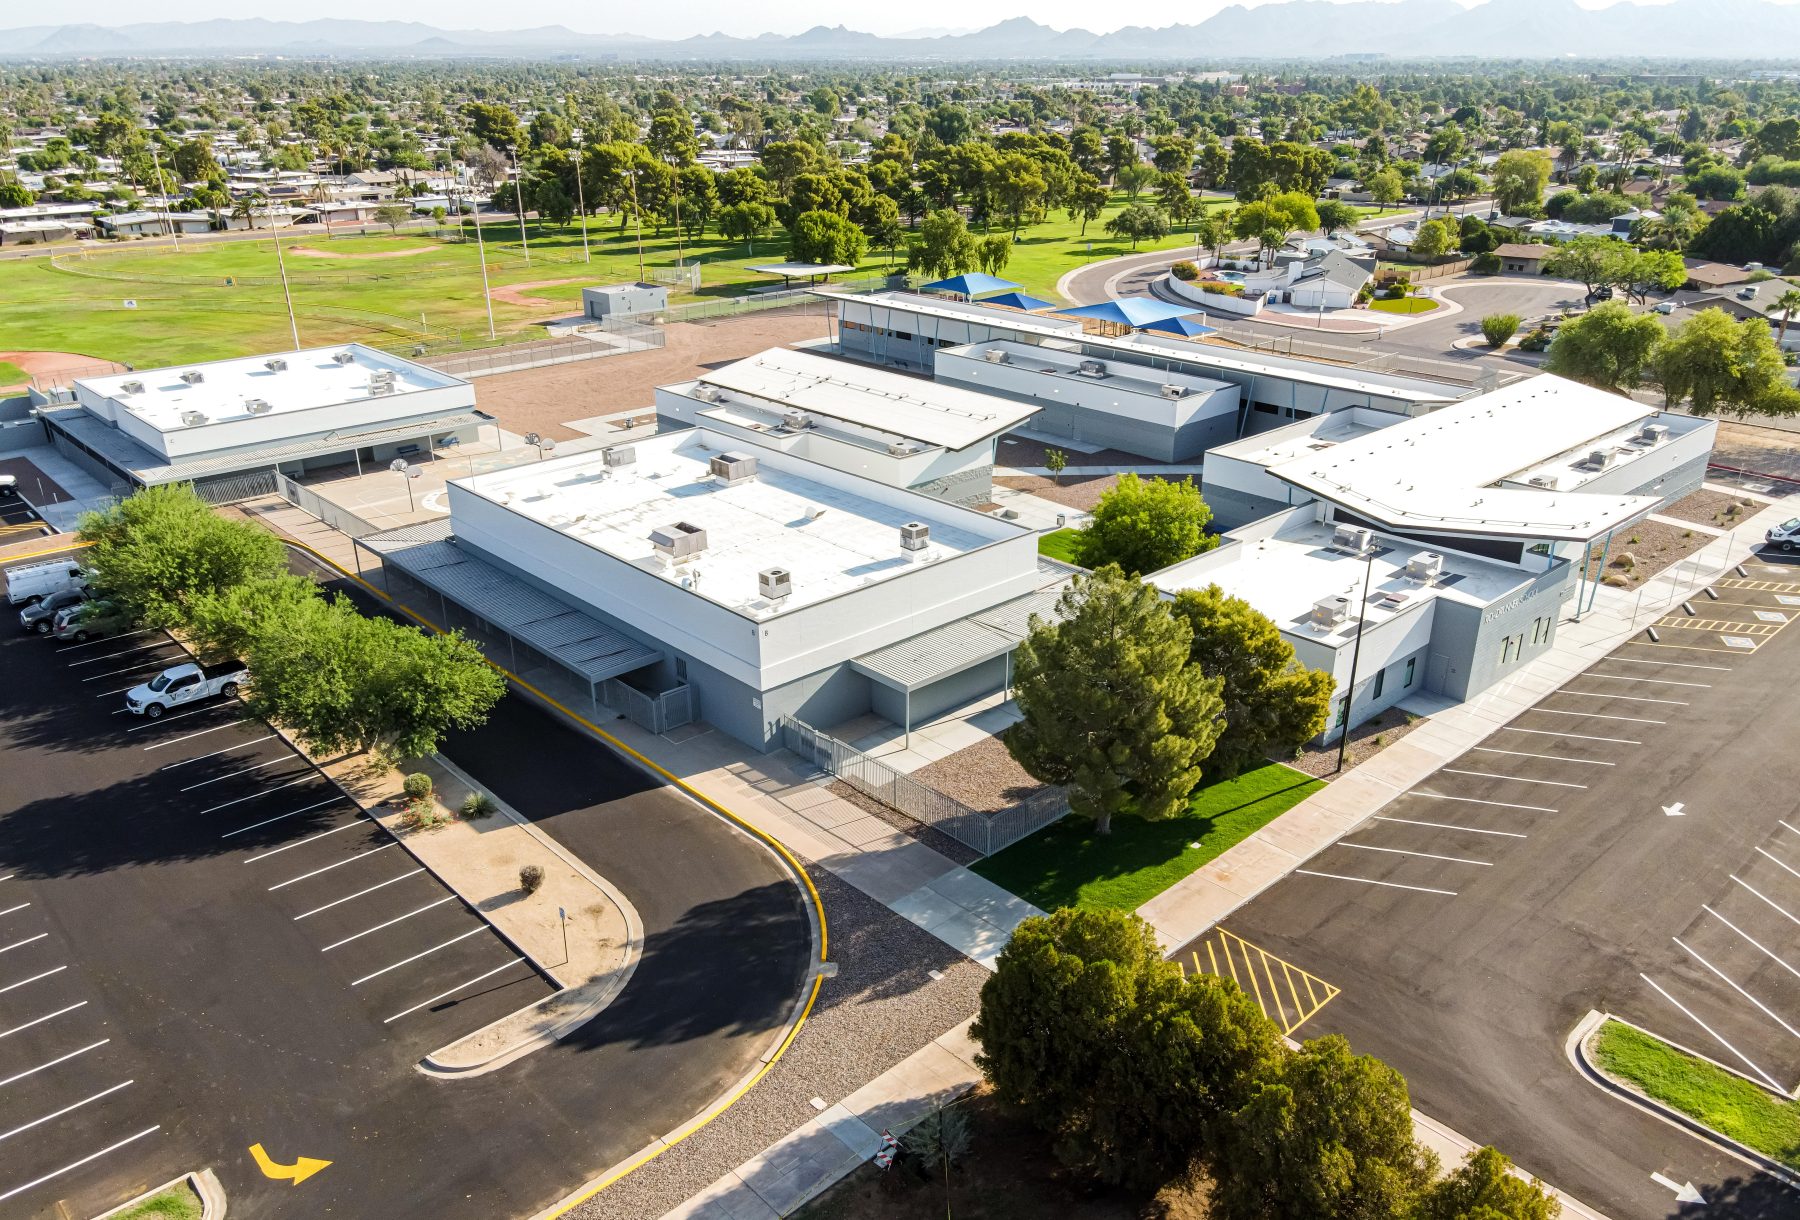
pixel 945 246
pixel 1609 346
pixel 1484 1188
pixel 826 238
pixel 1715 363
pixel 1272 703
pixel 1112 708
pixel 1519 178
pixel 1138 222
pixel 1145 525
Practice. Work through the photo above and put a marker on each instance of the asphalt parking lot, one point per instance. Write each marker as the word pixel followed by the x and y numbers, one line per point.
pixel 205 946
pixel 1629 844
pixel 20 522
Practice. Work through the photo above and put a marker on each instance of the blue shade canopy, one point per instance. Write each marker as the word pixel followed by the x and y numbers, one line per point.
pixel 1187 328
pixel 1135 312
pixel 1018 300
pixel 971 285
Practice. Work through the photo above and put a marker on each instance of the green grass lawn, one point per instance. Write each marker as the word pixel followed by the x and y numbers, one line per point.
pixel 12 374
pixel 1068 865
pixel 1726 1103
pixel 1058 544
pixel 179 1202
pixel 1404 305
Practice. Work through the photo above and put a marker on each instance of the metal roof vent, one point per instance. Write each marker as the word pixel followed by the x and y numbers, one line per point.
pixel 619 455
pixel 915 536
pixel 192 418
pixel 258 406
pixel 345 357
pixel 193 376
pixel 679 542
pixel 132 387
pixel 732 468
pixel 277 365
pixel 774 583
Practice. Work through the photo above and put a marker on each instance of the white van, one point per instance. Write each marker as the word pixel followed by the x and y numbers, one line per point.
pixel 1786 535
pixel 29 582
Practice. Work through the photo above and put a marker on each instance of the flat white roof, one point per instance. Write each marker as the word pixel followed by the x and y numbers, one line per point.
pixel 1284 575
pixel 793 514
pixel 926 411
pixel 1436 472
pixel 312 378
pixel 1307 436
pixel 1127 375
pixel 792 269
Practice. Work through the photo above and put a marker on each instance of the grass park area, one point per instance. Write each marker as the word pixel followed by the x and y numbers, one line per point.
pixel 1059 544
pixel 12 374
pixel 1068 865
pixel 149 306
pixel 1728 1104
pixel 1404 305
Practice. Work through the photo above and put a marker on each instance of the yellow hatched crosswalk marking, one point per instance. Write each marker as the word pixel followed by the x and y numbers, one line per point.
pixel 1731 626
pixel 1765 586
pixel 1287 995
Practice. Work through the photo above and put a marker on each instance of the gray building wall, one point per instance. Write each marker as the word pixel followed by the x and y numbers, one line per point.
pixel 1094 427
pixel 1394 684
pixel 1232 508
pixel 1469 650
pixel 944 695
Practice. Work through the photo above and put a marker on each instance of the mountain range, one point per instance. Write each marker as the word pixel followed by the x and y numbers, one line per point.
pixel 1293 29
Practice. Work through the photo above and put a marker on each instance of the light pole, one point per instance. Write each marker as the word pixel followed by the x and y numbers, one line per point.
pixel 637 221
pixel 281 262
pixel 1355 654
pixel 401 466
pixel 519 203
pixel 481 255
pixel 581 197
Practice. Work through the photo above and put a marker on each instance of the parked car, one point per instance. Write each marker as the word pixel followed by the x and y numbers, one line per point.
pixel 29 582
pixel 9 487
pixel 40 616
pixel 1665 308
pixel 89 621
pixel 1786 535
pixel 183 684
pixel 1602 293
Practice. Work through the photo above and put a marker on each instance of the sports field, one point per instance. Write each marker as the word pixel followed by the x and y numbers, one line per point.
pixel 152 306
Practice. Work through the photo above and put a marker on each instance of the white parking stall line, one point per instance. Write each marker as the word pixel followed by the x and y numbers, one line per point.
pixel 1743 1058
pixel 20 944
pixel 1470 800
pixel 241 771
pixel 158 723
pixel 1766 951
pixel 203 757
pixel 92 1156
pixel 40 1020
pixel 1724 669
pixel 113 673
pixel 1392 885
pixel 1779 861
pixel 390 923
pixel 34 978
pixel 1587 762
pixel 1551 711
pixel 1658 681
pixel 282 817
pixel 352 860
pixel 359 893
pixel 309 838
pixel 1784 826
pixel 1517 779
pixel 10 910
pixel 444 994
pixel 1594 694
pixel 1792 918
pixel 304 779
pixel 8 877
pixel 1617 741
pixel 38 1122
pixel 476 931
pixel 118 690
pixel 59 1059
pixel 1474 830
pixel 113 656
pixel 1726 979
pixel 123 635
pixel 189 737
pixel 1423 855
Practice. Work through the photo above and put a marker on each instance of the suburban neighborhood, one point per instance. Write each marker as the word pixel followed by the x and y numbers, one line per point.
pixel 1016 617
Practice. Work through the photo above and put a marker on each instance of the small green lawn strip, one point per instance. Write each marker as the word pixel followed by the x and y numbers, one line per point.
pixel 1059 544
pixel 1068 865
pixel 1404 305
pixel 179 1202
pixel 1708 1094
pixel 11 374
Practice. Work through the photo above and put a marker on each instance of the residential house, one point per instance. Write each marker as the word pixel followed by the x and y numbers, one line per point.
pixel 1523 258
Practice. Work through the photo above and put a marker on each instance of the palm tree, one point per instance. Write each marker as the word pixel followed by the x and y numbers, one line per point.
pixel 1787 303
pixel 246 207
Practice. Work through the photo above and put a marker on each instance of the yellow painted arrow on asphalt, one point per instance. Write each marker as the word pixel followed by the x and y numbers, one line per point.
pixel 302 1168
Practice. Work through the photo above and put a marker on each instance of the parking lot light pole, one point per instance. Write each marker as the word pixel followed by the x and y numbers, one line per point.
pixel 519 202
pixel 1355 656
pixel 581 197
pixel 401 466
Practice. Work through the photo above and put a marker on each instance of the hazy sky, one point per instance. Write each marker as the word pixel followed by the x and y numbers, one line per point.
pixel 672 19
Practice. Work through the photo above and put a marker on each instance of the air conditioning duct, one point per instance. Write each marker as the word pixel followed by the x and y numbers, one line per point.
pixel 678 542
pixel 1425 567
pixel 774 583
pixel 915 536
pixel 1352 539
pixel 193 376
pixel 1329 612
pixel 619 455
pixel 732 468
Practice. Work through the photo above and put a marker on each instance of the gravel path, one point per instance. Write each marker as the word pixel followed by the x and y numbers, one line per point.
pixel 882 1006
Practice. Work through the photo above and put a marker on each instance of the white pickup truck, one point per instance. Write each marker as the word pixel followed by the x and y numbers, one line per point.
pixel 183 684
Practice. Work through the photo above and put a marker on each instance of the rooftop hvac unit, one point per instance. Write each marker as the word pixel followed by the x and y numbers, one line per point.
pixel 797 420
pixel 343 358
pixel 678 542
pixel 706 393
pixel 1747 294
pixel 132 387
pixel 774 583
pixel 1601 459
pixel 258 406
pixel 732 468
pixel 381 383
pixel 1329 612
pixel 1655 434
pixel 994 355
pixel 191 418
pixel 193 376
pixel 902 449
pixel 277 365
pixel 1174 391
pixel 915 536
pixel 1425 567
pixel 619 455
pixel 1547 481
pixel 1091 368
pixel 1352 538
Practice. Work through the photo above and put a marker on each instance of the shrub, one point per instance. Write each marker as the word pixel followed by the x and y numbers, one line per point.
pixel 1184 271
pixel 1486 263
pixel 1222 288
pixel 1536 341
pixel 477 805
pixel 1497 328
pixel 417 786
pixel 531 878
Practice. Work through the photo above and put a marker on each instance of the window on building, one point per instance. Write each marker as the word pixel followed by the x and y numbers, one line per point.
pixel 1380 681
pixel 1506 651
pixel 1343 709
pixel 1266 408
pixel 1412 665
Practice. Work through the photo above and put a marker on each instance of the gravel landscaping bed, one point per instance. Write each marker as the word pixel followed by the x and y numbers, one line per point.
pixel 1646 549
pixel 1366 741
pixel 982 776
pixel 1767 451
pixel 882 1006
pixel 1712 508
